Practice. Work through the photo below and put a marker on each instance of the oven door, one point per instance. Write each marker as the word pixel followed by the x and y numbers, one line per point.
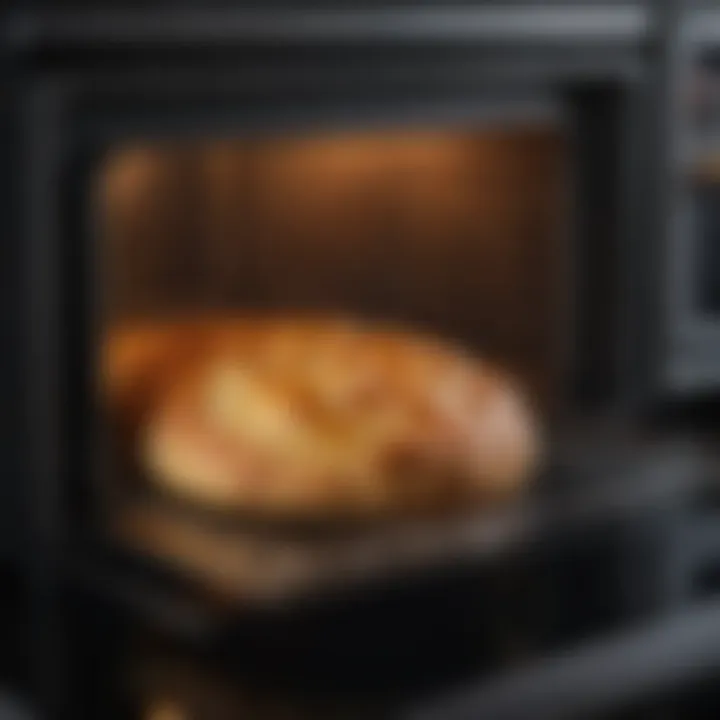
pixel 79 126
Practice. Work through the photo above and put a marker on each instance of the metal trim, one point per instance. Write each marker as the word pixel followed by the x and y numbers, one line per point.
pixel 495 23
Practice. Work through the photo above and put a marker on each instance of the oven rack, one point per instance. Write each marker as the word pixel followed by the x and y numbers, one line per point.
pixel 644 503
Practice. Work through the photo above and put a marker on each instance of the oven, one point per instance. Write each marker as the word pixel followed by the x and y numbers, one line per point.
pixel 478 175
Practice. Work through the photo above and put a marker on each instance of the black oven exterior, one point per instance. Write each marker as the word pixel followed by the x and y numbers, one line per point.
pixel 86 82
pixel 692 327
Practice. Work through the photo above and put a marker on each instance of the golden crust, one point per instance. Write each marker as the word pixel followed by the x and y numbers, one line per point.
pixel 316 417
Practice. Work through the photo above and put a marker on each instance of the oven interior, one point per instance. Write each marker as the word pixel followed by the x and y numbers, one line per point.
pixel 460 231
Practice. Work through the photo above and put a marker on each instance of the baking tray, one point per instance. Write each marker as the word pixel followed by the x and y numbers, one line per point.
pixel 241 565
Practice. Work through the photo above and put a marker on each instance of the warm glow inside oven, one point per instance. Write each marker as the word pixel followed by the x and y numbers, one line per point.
pixel 458 233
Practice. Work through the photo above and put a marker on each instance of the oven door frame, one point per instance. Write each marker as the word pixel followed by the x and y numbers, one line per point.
pixel 70 116
pixel 73 120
